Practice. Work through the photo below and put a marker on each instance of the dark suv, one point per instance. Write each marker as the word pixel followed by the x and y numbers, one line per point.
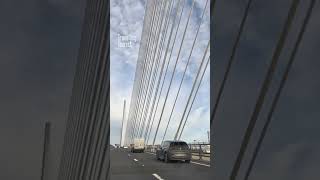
pixel 174 150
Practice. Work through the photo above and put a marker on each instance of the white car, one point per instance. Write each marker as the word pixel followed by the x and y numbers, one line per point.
pixel 138 145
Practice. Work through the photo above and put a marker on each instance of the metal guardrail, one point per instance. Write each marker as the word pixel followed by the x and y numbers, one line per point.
pixel 200 151
pixel 150 148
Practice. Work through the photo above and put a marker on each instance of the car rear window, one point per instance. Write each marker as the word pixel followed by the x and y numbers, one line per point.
pixel 178 145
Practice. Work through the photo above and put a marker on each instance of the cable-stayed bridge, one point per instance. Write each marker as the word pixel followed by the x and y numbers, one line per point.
pixel 168 41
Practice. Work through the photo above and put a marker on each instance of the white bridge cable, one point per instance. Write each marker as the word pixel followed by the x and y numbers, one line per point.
pixel 150 67
pixel 142 78
pixel 195 80
pixel 152 115
pixel 136 76
pixel 139 67
pixel 160 76
pixel 165 74
pixel 153 70
pixel 158 57
pixel 194 97
pixel 184 33
pixel 185 69
pixel 137 95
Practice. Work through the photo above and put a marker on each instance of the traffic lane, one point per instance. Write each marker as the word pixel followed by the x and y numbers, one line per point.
pixel 125 168
pixel 125 165
pixel 172 170
pixel 152 157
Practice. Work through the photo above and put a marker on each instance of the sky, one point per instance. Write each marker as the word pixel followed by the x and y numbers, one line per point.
pixel 127 18
pixel 291 146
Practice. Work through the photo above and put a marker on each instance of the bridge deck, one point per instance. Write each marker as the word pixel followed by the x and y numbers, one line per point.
pixel 140 166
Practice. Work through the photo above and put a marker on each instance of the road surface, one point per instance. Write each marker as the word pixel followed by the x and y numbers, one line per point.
pixel 144 166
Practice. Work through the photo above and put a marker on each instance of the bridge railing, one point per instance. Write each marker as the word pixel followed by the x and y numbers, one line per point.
pixel 151 148
pixel 200 151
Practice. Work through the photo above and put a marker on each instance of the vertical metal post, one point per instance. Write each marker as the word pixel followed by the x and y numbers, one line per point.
pixel 123 117
pixel 45 148
pixel 208 132
pixel 200 152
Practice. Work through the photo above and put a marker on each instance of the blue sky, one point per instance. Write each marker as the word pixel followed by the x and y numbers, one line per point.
pixel 127 20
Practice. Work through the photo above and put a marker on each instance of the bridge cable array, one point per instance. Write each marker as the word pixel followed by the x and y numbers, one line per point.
pixel 185 70
pixel 155 53
pixel 166 71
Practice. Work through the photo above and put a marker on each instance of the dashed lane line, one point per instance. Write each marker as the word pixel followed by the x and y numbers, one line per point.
pixel 157 176
pixel 135 160
pixel 200 163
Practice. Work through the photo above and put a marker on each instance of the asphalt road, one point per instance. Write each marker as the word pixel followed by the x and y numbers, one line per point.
pixel 144 166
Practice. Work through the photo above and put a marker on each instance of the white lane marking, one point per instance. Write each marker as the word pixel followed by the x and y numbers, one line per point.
pixel 151 153
pixel 157 176
pixel 135 160
pixel 200 164
pixel 142 164
pixel 129 155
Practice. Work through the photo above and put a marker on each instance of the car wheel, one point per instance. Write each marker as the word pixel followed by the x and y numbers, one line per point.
pixel 187 161
pixel 166 159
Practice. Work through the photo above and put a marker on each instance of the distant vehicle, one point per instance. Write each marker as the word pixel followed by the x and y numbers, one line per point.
pixel 138 145
pixel 174 150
